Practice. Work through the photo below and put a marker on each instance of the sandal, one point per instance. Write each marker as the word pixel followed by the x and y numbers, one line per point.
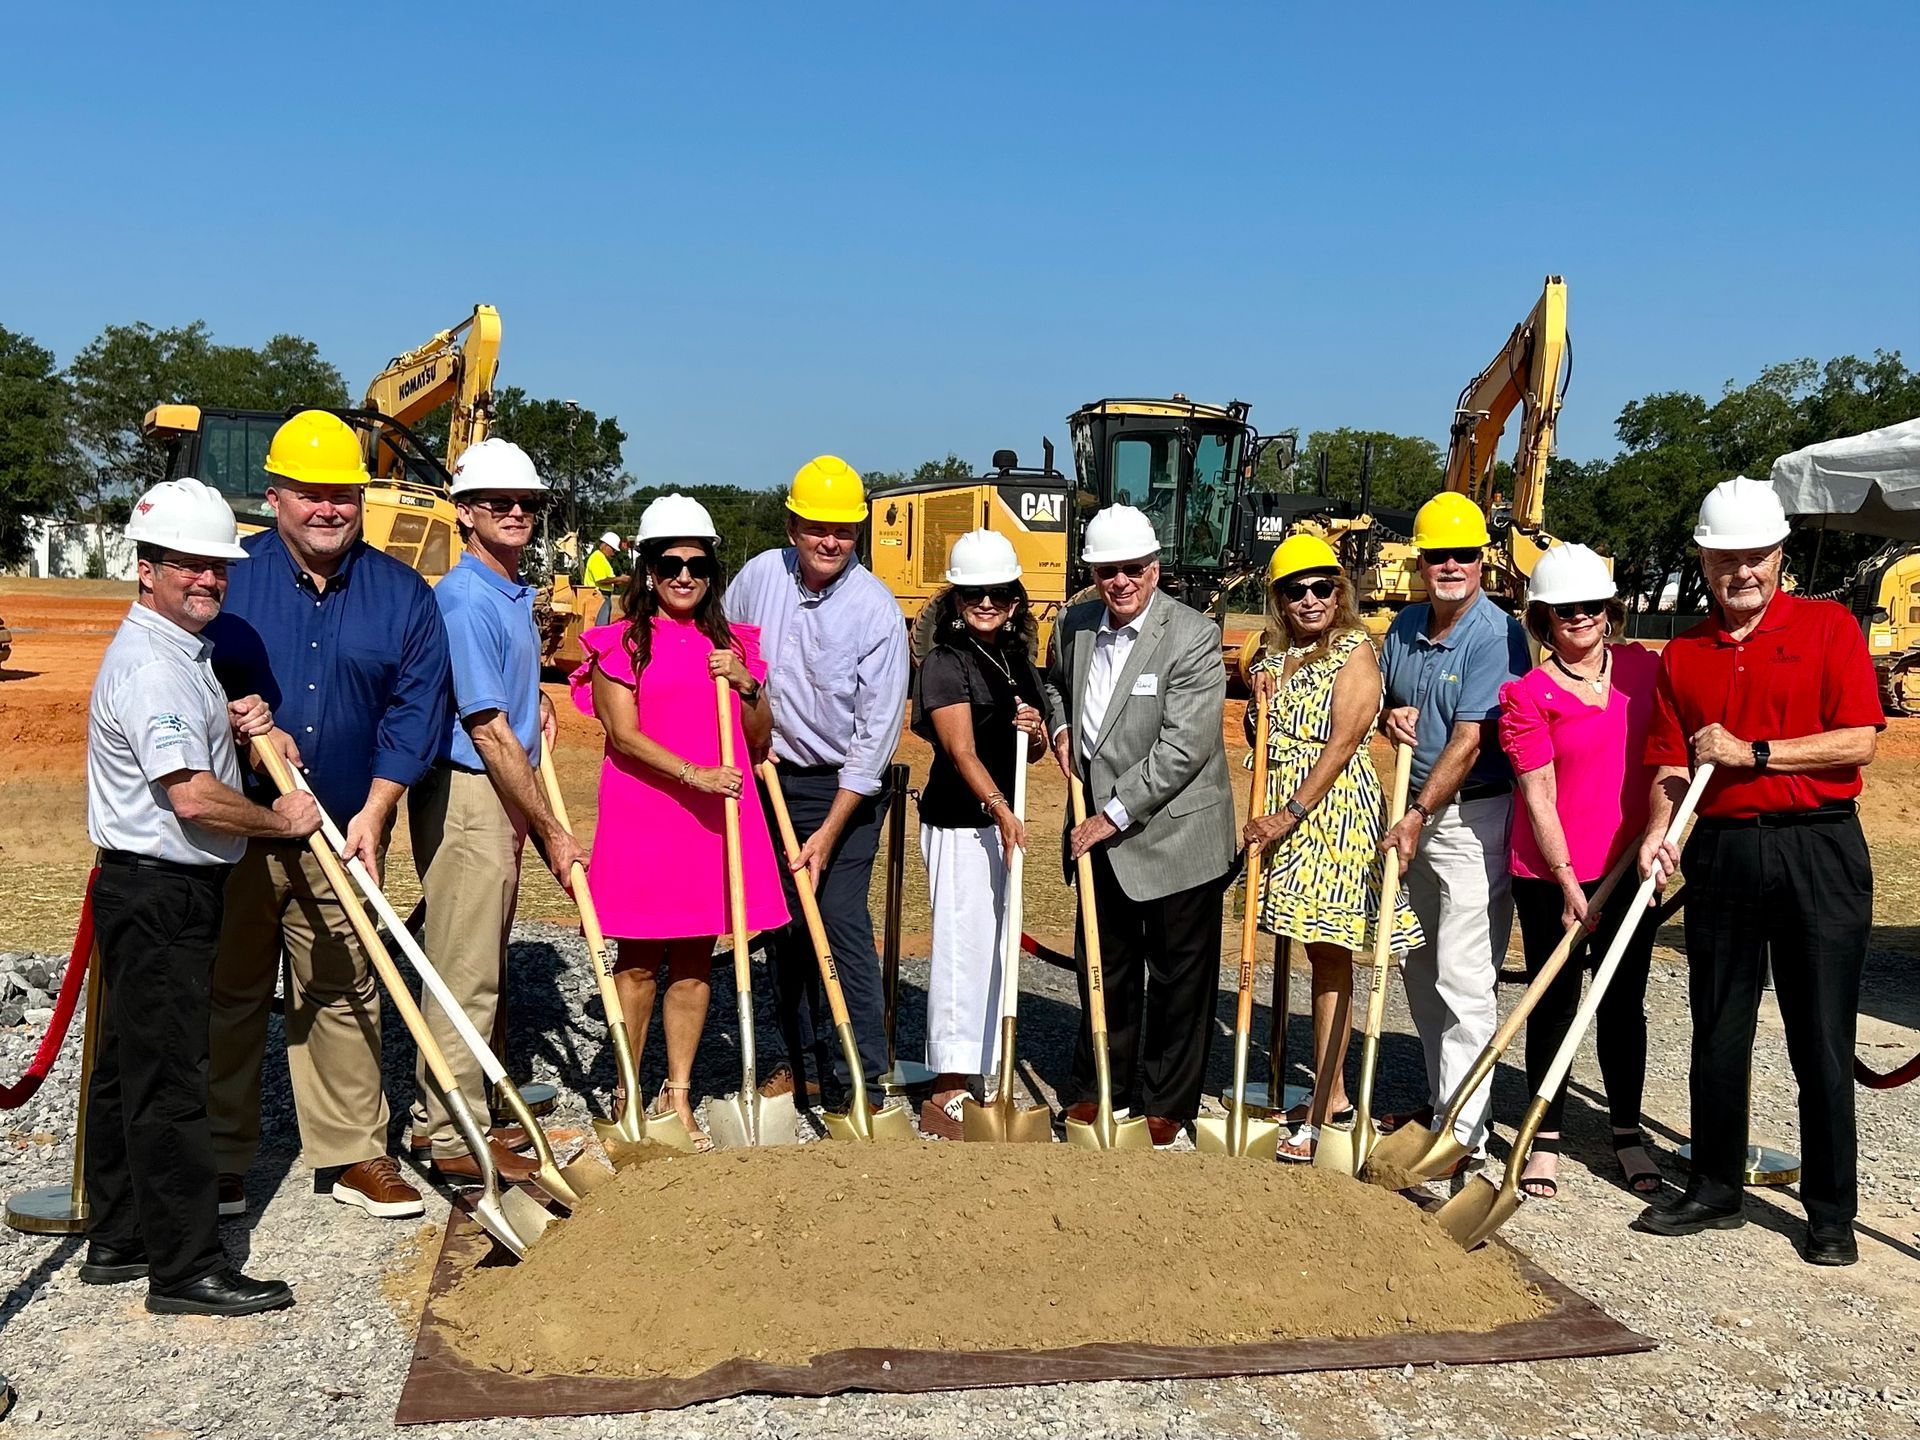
pixel 944 1120
pixel 1542 1187
pixel 1298 1148
pixel 662 1107
pixel 1640 1182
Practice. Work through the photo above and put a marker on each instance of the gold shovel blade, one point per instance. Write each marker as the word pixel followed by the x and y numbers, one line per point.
pixel 735 1121
pixel 891 1123
pixel 1251 1135
pixel 1129 1134
pixel 1414 1152
pixel 1345 1148
pixel 576 1181
pixel 1004 1121
pixel 1477 1211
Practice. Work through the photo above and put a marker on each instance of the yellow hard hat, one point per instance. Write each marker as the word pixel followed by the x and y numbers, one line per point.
pixel 315 448
pixel 828 489
pixel 1300 552
pixel 1449 521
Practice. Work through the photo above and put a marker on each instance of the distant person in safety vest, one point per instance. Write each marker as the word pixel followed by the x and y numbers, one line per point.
pixel 1778 694
pixel 603 574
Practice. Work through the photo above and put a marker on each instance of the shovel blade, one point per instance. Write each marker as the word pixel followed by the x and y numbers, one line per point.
pixel 890 1123
pixel 1414 1150
pixel 583 1177
pixel 1345 1148
pixel 1477 1211
pixel 515 1211
pixel 1130 1134
pixel 735 1122
pixel 1237 1134
pixel 1006 1122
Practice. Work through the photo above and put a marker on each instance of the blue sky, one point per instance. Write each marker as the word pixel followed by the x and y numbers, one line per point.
pixel 758 232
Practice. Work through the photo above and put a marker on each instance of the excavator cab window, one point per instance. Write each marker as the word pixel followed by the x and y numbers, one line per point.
pixel 233 453
pixel 1208 523
pixel 1146 475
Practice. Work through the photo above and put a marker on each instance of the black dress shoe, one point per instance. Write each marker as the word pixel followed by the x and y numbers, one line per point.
pixel 1831 1249
pixel 225 1292
pixel 105 1265
pixel 1688 1217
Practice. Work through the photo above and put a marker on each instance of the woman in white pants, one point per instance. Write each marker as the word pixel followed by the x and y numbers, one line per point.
pixel 976 690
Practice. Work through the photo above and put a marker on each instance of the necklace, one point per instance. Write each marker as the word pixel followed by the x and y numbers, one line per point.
pixel 1598 682
pixel 993 660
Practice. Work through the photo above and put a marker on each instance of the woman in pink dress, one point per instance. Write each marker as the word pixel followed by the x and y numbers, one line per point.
pixel 659 870
pixel 1575 728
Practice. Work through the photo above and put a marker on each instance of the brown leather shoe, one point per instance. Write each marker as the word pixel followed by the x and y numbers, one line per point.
pixel 511 1136
pixel 780 1082
pixel 511 1168
pixel 1164 1129
pixel 378 1188
pixel 233 1194
pixel 1085 1110
pixel 1399 1119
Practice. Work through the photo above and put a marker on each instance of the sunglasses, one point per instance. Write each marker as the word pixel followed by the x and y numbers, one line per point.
pixel 1466 555
pixel 1574 609
pixel 1133 570
pixel 670 567
pixel 998 594
pixel 498 505
pixel 196 568
pixel 1300 589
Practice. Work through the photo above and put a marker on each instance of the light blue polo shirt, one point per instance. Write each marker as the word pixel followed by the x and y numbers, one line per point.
pixel 1457 678
pixel 496 656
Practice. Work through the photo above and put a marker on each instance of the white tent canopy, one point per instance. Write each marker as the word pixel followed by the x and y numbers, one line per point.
pixel 1867 484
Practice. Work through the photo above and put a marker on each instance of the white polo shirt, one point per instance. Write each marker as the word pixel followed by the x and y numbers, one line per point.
pixel 156 709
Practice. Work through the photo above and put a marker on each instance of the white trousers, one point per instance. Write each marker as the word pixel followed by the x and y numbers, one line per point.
pixel 1463 894
pixel 967 890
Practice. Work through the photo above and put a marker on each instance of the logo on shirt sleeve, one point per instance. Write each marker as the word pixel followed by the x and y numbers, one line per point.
pixel 168 730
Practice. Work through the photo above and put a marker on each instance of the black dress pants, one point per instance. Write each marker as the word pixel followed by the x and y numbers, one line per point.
pixel 806 1021
pixel 1161 963
pixel 151 1184
pixel 1804 894
pixel 1620 1027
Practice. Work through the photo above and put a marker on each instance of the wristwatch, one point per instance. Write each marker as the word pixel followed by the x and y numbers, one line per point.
pixel 751 697
pixel 1296 810
pixel 1762 753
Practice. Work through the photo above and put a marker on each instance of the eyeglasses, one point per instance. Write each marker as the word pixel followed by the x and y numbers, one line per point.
pixel 499 505
pixel 670 567
pixel 1465 555
pixel 1133 570
pixel 1574 609
pixel 998 594
pixel 1300 589
pixel 196 568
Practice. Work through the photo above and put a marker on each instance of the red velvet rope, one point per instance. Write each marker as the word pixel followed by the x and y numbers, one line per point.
pixel 1892 1080
pixel 15 1095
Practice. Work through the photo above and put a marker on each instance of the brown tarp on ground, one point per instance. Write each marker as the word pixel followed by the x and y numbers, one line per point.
pixel 442 1386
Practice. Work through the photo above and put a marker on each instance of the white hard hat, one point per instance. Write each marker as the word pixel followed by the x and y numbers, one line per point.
pixel 188 516
pixel 982 557
pixel 495 464
pixel 1741 514
pixel 1570 572
pixel 676 517
pixel 1119 532
pixel 610 539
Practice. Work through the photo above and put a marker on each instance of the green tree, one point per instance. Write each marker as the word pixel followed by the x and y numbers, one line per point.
pixel 40 471
pixel 1406 471
pixel 576 452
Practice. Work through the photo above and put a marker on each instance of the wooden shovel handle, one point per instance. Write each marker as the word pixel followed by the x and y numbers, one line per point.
pixel 1089 918
pixel 582 895
pixel 363 927
pixel 809 904
pixel 736 870
pixel 1250 921
pixel 1389 893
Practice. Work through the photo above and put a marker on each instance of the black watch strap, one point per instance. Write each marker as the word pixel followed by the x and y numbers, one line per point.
pixel 1762 754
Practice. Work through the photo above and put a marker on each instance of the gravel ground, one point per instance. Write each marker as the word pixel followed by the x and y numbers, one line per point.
pixel 1752 1340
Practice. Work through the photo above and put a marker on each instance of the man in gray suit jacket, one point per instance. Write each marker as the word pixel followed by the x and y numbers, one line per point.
pixel 1135 684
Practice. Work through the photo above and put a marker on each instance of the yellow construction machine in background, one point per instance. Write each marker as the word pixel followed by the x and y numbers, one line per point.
pixel 407 513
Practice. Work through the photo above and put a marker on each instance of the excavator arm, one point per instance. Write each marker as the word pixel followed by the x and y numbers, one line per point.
pixel 1526 375
pixel 456 364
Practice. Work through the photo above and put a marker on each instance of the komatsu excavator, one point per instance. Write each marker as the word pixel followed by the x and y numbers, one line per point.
pixel 406 513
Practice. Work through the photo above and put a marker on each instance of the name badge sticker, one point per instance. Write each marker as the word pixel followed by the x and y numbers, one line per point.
pixel 1145 685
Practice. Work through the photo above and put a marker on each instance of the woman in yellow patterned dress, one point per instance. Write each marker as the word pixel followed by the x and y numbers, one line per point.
pixel 1320 682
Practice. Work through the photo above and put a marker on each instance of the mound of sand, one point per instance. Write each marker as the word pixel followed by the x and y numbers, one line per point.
pixel 786 1253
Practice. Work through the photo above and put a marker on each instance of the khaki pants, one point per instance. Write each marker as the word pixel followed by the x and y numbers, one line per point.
pixel 467 848
pixel 278 901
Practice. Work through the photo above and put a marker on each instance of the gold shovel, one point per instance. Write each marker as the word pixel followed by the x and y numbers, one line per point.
pixel 567 1183
pixel 1001 1118
pixel 512 1217
pixel 748 1118
pixel 622 1136
pixel 860 1122
pixel 1103 1132
pixel 1481 1208
pixel 1238 1132
pixel 1345 1148
pixel 1414 1150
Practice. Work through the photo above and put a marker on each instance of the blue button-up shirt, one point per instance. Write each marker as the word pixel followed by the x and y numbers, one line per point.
pixel 496 656
pixel 356 673
pixel 1452 679
pixel 836 664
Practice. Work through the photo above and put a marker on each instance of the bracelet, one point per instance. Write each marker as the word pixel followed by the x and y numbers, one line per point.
pixel 1563 865
pixel 996 798
pixel 686 768
pixel 1416 805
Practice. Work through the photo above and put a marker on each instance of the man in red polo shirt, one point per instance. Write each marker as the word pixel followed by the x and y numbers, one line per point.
pixel 1778 694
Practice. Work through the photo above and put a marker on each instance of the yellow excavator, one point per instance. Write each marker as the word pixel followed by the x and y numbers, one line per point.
pixel 407 513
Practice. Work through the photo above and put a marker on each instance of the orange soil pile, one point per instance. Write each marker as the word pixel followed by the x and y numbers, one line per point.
pixel 782 1254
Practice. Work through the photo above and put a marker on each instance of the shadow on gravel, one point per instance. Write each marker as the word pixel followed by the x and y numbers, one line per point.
pixel 1890 983
pixel 18 1298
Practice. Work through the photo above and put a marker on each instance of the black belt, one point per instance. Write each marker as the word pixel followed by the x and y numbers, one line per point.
pixel 787 767
pixel 126 860
pixel 1825 815
pixel 1484 790
pixel 464 769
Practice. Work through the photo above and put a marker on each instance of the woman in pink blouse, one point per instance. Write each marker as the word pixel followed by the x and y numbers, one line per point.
pixel 1575 729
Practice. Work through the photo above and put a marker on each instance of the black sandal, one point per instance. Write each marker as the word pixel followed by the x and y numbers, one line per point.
pixel 1549 1185
pixel 1642 1182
